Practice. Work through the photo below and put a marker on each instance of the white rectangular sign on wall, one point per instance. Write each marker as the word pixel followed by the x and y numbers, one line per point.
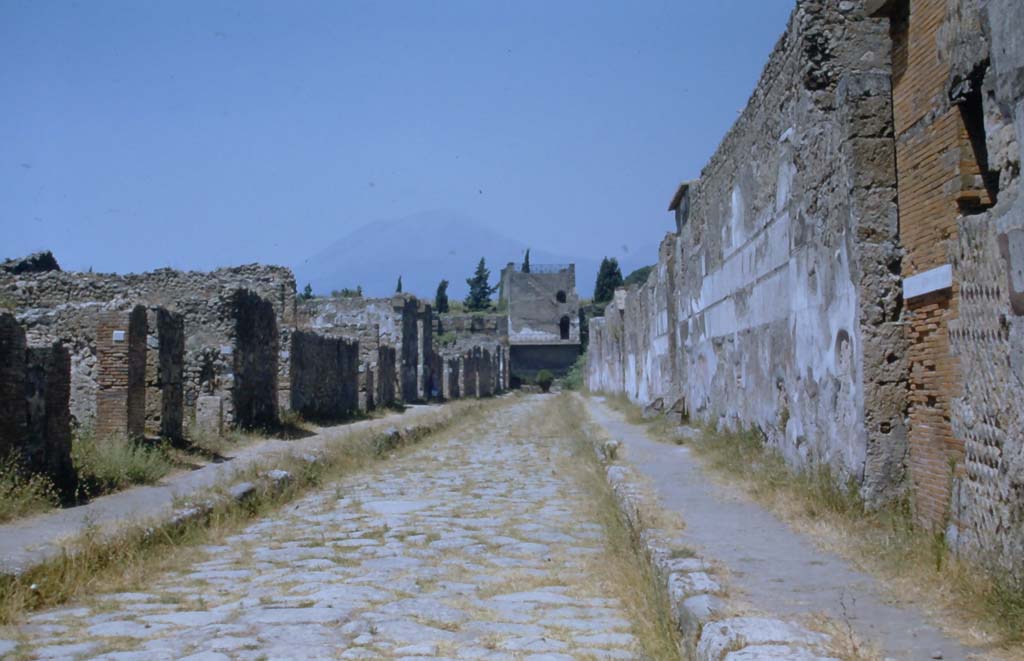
pixel 926 282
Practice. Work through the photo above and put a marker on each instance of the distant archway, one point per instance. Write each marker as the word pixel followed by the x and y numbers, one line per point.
pixel 560 296
pixel 563 327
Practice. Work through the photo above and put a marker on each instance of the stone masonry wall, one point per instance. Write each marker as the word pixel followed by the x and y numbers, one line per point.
pixel 393 322
pixel 777 302
pixel 165 373
pixel 47 391
pixel 35 429
pixel 325 376
pixel 987 337
pixel 255 352
pixel 13 424
pixel 66 306
pixel 537 303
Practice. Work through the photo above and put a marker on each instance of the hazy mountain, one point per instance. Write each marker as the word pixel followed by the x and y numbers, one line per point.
pixel 426 247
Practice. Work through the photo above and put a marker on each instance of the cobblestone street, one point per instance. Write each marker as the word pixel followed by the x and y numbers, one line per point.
pixel 474 545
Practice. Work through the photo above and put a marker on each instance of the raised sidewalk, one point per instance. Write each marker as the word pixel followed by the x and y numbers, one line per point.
pixel 27 542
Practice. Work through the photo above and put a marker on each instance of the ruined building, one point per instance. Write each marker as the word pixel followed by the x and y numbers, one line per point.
pixel 169 354
pixel 846 273
pixel 543 318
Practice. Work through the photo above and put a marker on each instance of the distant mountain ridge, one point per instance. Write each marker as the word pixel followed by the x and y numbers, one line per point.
pixel 425 247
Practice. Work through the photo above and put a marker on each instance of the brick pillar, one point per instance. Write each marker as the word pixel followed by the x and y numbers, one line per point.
pixel 121 358
pixel 47 395
pixel 13 423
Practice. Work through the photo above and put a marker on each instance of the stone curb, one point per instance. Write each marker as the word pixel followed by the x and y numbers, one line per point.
pixel 696 597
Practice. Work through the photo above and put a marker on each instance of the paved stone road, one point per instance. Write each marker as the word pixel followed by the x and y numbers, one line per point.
pixel 469 547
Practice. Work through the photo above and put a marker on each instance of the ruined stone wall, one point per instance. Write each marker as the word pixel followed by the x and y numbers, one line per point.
pixel 66 307
pixel 384 376
pixel 539 303
pixel 255 352
pixel 165 373
pixel 426 385
pixel 451 382
pixel 47 449
pixel 325 371
pixel 35 424
pixel 397 322
pixel 493 326
pixel 986 519
pixel 775 300
pixel 13 425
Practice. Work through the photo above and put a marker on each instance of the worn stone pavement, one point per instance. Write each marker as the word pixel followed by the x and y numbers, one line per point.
pixel 774 569
pixel 33 540
pixel 472 546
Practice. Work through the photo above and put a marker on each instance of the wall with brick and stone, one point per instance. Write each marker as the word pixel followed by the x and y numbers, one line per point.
pixel 400 322
pixel 776 303
pixel 986 337
pixel 67 307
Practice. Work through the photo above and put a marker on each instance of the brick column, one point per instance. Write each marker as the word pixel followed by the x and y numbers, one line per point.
pixel 121 358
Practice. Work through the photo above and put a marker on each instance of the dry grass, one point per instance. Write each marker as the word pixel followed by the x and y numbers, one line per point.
pixel 623 569
pixel 979 607
pixel 92 563
pixel 21 494
pixel 110 464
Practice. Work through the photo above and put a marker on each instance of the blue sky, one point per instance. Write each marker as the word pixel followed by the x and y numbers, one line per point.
pixel 137 135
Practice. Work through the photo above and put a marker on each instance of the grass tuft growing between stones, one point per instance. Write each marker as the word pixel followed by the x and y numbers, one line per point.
pixel 21 494
pixel 110 464
pixel 96 563
pixel 624 568
pixel 978 605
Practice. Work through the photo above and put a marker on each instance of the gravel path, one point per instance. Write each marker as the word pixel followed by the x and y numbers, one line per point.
pixel 472 546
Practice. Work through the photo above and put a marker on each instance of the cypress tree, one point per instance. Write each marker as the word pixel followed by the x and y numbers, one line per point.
pixel 608 278
pixel 479 297
pixel 441 298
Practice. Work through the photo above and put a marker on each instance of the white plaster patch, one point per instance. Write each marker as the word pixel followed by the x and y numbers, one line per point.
pixel 932 280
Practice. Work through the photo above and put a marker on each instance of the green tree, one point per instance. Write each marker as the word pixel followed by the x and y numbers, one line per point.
pixel 526 262
pixel 398 287
pixel 638 277
pixel 307 292
pixel 608 278
pixel 441 298
pixel 479 297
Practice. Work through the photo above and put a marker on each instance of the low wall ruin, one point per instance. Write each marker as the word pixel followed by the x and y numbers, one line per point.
pixel 68 307
pixel 325 371
pixel 35 423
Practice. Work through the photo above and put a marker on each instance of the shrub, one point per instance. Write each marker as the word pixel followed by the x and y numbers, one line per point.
pixel 545 379
pixel 574 379
pixel 21 494
pixel 115 463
